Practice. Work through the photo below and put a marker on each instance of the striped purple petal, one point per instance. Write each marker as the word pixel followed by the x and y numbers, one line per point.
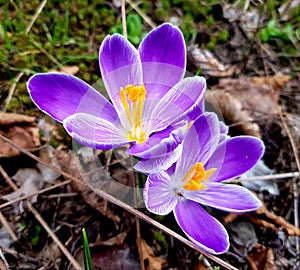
pixel 235 156
pixel 158 195
pixel 157 164
pixel 179 101
pixel 200 142
pixel 163 56
pixel 61 95
pixel 120 66
pixel 95 132
pixel 201 228
pixel 226 197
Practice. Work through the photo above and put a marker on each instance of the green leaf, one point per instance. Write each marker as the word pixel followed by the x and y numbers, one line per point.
pixel 86 250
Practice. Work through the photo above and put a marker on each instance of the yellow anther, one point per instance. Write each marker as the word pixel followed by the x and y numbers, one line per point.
pixel 137 95
pixel 196 175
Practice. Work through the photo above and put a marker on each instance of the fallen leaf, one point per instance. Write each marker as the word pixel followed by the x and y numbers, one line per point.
pixel 116 240
pixel 261 258
pixel 260 169
pixel 243 238
pixel 21 130
pixel 15 118
pixel 244 99
pixel 265 218
pixel 272 221
pixel 233 111
pixel 31 180
pixel 148 258
pixel 208 63
pixel 70 165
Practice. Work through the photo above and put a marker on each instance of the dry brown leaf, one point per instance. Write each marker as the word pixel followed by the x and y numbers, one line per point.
pixel 150 261
pixel 244 99
pixel 72 70
pixel 21 130
pixel 210 66
pixel 272 221
pixel 233 111
pixel 116 240
pixel 276 82
pixel 69 164
pixel 261 258
pixel 265 218
pixel 15 118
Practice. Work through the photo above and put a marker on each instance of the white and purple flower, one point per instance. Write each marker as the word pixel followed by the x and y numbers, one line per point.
pixel 208 158
pixel 148 97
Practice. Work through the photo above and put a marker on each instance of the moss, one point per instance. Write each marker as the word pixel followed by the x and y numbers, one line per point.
pixel 223 36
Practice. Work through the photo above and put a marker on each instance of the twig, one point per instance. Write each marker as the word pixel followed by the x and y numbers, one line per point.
pixel 75 264
pixel 36 14
pixel 12 89
pixel 52 58
pixel 4 261
pixel 5 224
pixel 141 13
pixel 47 228
pixel 34 194
pixel 127 207
pixel 295 190
pixel 124 26
pixel 24 151
pixel 266 177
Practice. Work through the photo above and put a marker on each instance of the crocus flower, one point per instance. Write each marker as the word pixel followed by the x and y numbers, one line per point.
pixel 206 161
pixel 147 92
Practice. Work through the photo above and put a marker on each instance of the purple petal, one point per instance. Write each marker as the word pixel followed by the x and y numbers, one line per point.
pixel 61 95
pixel 235 156
pixel 201 228
pixel 226 197
pixel 200 142
pixel 158 196
pixel 160 143
pixel 120 66
pixel 157 164
pixel 163 56
pixel 95 132
pixel 196 112
pixel 179 101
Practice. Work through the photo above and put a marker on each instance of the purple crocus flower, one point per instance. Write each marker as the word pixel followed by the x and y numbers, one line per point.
pixel 206 161
pixel 148 97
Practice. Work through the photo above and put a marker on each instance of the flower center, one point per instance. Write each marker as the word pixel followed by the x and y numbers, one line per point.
pixel 136 95
pixel 195 177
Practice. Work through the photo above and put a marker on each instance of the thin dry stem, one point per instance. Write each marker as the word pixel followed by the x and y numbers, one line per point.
pixel 295 190
pixel 141 13
pixel 44 225
pixel 266 177
pixel 123 10
pixel 5 224
pixel 35 16
pixel 54 237
pixel 12 89
pixel 35 193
